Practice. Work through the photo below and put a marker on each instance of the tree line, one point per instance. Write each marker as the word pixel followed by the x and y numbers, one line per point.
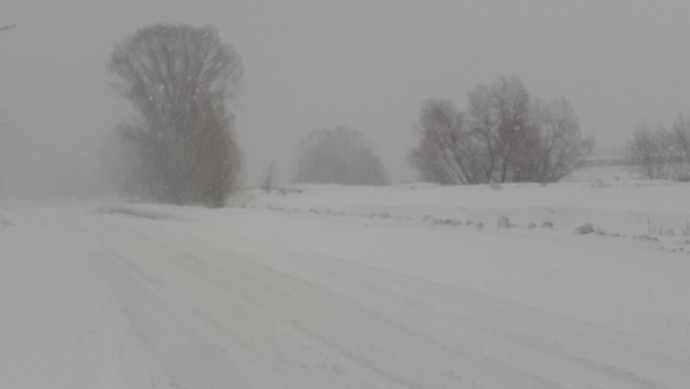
pixel 503 135
pixel 180 146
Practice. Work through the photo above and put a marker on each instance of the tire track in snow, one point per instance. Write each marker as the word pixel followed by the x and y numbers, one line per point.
pixel 165 289
pixel 300 300
pixel 660 354
pixel 528 341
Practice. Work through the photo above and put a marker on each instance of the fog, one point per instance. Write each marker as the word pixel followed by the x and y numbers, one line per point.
pixel 320 64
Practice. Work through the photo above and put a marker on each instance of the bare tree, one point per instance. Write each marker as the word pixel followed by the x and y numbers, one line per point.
pixel 500 116
pixel 447 151
pixel 179 79
pixel 680 134
pixel 504 136
pixel 339 156
pixel 650 152
pixel 561 145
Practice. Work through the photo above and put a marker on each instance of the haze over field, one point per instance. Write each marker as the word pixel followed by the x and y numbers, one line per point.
pixel 344 194
pixel 313 64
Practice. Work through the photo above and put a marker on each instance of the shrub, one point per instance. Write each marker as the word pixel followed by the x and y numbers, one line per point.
pixel 585 229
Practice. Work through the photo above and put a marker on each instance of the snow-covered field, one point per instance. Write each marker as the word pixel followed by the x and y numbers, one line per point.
pixel 412 286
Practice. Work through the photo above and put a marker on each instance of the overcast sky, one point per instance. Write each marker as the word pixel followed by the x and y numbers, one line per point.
pixel 367 64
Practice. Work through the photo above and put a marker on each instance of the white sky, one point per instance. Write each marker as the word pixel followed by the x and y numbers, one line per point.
pixel 312 64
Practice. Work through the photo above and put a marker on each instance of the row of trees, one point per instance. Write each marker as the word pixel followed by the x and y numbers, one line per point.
pixel 659 152
pixel 179 146
pixel 503 135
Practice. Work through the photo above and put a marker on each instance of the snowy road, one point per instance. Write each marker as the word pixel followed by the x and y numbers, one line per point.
pixel 108 297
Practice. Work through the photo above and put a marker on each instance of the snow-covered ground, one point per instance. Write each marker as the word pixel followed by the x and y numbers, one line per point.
pixel 413 286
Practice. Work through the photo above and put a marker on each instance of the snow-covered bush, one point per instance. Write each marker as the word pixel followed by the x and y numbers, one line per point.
pixel 585 229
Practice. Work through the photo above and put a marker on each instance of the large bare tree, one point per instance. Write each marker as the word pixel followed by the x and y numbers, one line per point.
pixel 179 80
